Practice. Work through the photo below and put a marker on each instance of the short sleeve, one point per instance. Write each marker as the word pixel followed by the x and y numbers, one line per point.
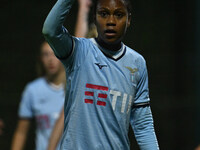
pixel 142 90
pixel 25 108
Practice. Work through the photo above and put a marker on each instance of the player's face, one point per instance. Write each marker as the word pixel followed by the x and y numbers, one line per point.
pixel 51 64
pixel 112 20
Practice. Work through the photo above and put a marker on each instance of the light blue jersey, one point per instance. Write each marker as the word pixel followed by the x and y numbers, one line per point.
pixel 43 102
pixel 101 94
pixel 105 91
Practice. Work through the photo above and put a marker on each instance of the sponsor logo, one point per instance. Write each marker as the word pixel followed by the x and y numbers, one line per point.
pixel 100 66
pixel 98 95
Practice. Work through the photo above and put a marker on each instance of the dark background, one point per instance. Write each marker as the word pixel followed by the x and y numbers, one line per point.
pixel 165 32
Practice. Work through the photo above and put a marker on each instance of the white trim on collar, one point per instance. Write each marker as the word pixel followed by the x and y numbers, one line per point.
pixel 114 56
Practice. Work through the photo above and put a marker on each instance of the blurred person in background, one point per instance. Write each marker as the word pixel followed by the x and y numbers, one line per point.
pixel 21 132
pixel 1 126
pixel 81 30
pixel 42 99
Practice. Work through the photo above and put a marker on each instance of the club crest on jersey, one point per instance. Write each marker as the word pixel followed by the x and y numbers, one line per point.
pixel 132 72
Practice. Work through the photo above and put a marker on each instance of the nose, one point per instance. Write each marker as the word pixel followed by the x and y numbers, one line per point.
pixel 51 57
pixel 111 21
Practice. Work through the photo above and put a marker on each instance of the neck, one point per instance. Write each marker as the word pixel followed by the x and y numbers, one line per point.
pixel 56 79
pixel 112 47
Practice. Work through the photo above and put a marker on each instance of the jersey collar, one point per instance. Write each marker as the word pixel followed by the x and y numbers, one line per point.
pixel 115 55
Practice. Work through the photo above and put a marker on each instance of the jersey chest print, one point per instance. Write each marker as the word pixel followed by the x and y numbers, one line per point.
pixel 101 93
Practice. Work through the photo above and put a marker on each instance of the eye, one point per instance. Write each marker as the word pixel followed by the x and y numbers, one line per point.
pixel 103 14
pixel 45 54
pixel 119 14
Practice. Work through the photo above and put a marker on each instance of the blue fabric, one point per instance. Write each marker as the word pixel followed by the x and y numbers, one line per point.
pixel 102 88
pixel 44 103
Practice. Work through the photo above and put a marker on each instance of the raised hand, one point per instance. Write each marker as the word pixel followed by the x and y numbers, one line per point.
pixel 85 5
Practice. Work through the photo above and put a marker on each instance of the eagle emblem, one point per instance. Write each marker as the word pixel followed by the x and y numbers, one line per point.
pixel 132 72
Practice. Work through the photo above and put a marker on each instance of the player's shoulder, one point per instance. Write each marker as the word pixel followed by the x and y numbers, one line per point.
pixel 134 54
pixel 84 41
pixel 81 40
pixel 81 44
pixel 38 82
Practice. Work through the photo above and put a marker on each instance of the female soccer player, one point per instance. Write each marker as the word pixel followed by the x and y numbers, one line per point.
pixel 42 99
pixel 107 83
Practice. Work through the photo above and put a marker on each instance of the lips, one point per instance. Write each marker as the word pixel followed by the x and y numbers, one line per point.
pixel 51 66
pixel 110 32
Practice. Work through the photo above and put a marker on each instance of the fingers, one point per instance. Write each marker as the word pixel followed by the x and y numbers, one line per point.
pixel 84 6
pixel 85 3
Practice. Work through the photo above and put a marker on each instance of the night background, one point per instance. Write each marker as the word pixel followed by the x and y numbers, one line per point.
pixel 165 32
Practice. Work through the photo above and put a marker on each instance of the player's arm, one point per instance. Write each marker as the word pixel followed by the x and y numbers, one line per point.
pixel 20 134
pixel 57 132
pixel 55 33
pixel 81 27
pixel 25 115
pixel 142 124
pixel 141 117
